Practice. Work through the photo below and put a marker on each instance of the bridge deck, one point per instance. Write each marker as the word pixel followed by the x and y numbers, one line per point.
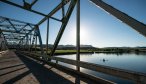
pixel 23 70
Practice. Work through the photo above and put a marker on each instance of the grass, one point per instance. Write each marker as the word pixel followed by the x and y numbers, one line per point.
pixel 71 51
pixel 62 52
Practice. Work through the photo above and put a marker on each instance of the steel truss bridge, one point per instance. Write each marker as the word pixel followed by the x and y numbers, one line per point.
pixel 26 38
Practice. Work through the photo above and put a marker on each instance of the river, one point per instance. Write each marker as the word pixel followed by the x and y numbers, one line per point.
pixel 132 61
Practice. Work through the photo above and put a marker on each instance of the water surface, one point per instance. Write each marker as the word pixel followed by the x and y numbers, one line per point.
pixel 132 61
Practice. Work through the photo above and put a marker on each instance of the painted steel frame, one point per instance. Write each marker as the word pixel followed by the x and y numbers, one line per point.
pixel 35 31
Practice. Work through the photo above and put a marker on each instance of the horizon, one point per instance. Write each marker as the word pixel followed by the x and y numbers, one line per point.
pixel 95 46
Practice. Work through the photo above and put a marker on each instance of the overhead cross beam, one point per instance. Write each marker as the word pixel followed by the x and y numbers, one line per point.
pixel 6 25
pixel 5 18
pixel 12 31
pixel 34 11
pixel 19 6
pixel 58 7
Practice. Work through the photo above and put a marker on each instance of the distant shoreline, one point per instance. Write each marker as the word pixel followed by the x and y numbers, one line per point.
pixel 65 50
pixel 68 52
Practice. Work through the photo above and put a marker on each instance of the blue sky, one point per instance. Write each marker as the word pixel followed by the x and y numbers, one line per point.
pixel 97 27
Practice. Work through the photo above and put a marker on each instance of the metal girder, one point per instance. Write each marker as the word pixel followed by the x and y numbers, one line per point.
pixel 55 19
pixel 78 34
pixel 18 24
pixel 3 40
pixel 58 7
pixel 6 25
pixel 2 20
pixel 41 43
pixel 23 27
pixel 16 20
pixel 12 25
pixel 33 2
pixel 19 6
pixel 12 31
pixel 28 5
pixel 135 24
pixel 36 12
pixel 65 21
pixel 30 26
pixel 14 34
pixel 13 38
pixel 35 43
pixel 47 37
pixel 33 40
pixel 3 27
pixel 8 35
pixel 63 10
pixel 27 43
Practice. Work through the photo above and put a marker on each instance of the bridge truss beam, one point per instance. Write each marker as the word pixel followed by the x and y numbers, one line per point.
pixel 25 36
pixel 133 23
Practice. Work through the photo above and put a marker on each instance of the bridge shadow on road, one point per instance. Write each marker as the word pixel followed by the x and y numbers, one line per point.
pixel 42 74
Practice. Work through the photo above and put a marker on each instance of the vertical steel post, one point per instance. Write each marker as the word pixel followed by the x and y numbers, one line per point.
pixel 22 45
pixel 63 26
pixel 40 41
pixel 6 43
pixel 36 43
pixel 47 37
pixel 27 43
pixel 30 42
pixel 78 34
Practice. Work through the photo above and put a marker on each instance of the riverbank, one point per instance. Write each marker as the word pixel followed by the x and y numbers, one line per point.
pixel 65 52
pixel 114 50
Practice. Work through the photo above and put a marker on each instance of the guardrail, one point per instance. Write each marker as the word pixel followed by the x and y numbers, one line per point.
pixel 139 78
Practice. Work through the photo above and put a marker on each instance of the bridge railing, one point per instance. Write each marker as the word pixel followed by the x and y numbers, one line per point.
pixel 139 78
